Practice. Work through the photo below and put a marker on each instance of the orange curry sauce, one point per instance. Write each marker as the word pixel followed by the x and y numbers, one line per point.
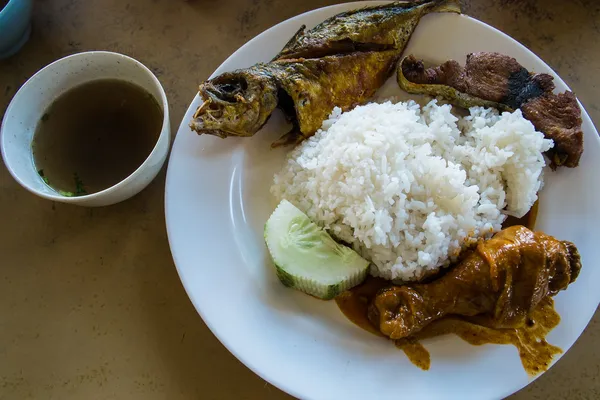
pixel 536 354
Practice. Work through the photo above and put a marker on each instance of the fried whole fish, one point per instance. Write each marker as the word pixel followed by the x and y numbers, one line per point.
pixel 340 62
pixel 505 277
pixel 499 81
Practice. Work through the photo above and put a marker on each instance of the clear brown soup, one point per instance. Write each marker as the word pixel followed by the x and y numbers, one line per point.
pixel 3 4
pixel 95 135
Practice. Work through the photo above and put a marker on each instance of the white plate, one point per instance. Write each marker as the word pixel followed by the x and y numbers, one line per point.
pixel 217 201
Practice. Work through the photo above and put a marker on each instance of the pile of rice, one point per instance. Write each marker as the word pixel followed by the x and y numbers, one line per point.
pixel 409 188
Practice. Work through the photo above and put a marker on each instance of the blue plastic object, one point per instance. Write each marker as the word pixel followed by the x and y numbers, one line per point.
pixel 15 26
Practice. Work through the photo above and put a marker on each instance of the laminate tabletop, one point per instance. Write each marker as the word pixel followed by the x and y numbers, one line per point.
pixel 91 306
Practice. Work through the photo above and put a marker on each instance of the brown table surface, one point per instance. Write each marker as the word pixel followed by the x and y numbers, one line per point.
pixel 90 303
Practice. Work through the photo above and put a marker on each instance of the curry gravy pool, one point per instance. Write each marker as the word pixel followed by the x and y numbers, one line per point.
pixel 95 135
pixel 536 354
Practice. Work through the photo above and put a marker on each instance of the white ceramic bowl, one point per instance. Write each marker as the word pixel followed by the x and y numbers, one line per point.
pixel 34 97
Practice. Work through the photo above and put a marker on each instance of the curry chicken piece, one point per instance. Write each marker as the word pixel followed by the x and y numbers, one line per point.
pixel 505 277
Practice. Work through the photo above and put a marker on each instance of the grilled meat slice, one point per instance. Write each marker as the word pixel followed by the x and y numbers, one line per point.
pixel 559 117
pixel 489 76
pixel 499 81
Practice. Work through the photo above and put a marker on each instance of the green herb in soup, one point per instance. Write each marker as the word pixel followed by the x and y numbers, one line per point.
pixel 95 135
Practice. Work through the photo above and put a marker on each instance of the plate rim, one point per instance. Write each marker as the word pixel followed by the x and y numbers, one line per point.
pixel 246 361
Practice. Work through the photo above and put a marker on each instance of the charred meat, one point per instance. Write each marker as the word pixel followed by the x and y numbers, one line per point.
pixel 499 81
pixel 341 62
pixel 505 277
pixel 558 116
pixel 489 76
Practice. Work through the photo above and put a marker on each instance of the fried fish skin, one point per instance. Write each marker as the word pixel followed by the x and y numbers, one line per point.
pixel 340 62
pixel 236 103
pixel 379 28
pixel 316 85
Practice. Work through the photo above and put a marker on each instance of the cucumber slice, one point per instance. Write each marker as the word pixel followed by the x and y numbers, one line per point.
pixel 307 258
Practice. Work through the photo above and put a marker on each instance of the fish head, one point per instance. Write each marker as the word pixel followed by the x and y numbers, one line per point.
pixel 235 103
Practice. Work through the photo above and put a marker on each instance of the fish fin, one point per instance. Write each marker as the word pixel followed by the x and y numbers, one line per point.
pixel 292 138
pixel 291 42
pixel 446 6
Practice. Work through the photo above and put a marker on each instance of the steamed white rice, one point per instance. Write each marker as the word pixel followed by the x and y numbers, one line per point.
pixel 409 188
